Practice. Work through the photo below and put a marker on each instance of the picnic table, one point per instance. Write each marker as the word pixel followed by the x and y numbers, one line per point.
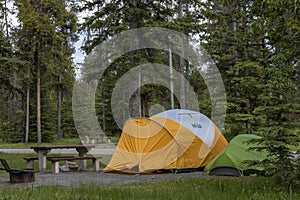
pixel 42 152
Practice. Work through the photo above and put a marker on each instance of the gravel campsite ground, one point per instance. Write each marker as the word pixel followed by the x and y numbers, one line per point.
pixel 79 179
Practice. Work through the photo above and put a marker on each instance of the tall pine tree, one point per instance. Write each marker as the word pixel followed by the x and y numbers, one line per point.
pixel 251 44
pixel 45 38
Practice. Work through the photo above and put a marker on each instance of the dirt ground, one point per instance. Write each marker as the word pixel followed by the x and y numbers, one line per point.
pixel 101 179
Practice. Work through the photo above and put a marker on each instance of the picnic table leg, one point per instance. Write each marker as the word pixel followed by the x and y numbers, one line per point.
pixel 55 167
pixel 30 164
pixel 42 160
pixel 96 164
pixel 82 163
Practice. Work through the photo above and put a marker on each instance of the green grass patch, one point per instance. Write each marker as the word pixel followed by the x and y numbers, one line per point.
pixel 69 141
pixel 114 139
pixel 203 188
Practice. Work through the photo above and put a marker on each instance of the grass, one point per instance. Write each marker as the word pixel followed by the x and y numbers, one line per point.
pixel 69 141
pixel 114 139
pixel 249 188
pixel 64 141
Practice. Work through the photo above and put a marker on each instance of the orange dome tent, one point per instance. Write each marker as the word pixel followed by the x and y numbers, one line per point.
pixel 174 139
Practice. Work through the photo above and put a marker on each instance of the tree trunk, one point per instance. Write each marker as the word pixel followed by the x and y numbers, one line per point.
pixel 135 101
pixel 102 104
pixel 15 106
pixel 171 80
pixel 181 63
pixel 27 107
pixel 59 99
pixel 10 114
pixel 38 102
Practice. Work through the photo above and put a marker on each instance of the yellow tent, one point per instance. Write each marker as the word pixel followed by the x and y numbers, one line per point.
pixel 174 139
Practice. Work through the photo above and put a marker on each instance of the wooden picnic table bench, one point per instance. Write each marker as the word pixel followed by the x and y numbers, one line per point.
pixel 55 162
pixel 30 160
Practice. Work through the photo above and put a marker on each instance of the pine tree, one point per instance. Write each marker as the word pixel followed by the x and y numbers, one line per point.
pixel 250 44
pixel 277 110
pixel 45 37
pixel 11 64
pixel 237 49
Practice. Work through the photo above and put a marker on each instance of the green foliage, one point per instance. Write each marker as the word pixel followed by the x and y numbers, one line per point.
pixel 238 55
pixel 277 110
pixel 10 63
pixel 67 127
pixel 249 41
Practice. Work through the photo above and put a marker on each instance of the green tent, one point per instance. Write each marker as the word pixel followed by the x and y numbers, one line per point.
pixel 231 161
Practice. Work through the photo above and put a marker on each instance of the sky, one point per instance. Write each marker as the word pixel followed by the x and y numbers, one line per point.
pixel 79 55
